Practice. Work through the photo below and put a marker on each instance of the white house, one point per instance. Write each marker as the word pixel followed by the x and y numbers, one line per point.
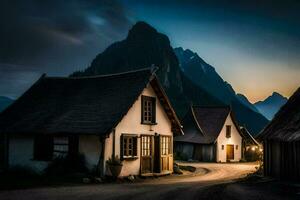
pixel 126 115
pixel 211 134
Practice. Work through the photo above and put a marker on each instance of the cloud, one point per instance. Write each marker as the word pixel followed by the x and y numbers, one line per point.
pixel 33 31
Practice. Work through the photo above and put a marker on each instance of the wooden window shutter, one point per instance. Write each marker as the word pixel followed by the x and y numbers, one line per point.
pixel 122 147
pixel 142 109
pixel 154 110
pixel 134 144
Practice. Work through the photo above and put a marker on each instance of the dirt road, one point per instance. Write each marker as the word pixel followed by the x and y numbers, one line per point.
pixel 172 187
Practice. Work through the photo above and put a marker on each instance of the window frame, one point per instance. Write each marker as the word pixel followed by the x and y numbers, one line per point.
pixel 151 112
pixel 166 147
pixel 61 141
pixel 124 152
pixel 228 131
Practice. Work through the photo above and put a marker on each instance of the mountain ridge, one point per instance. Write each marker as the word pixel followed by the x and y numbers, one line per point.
pixel 271 105
pixel 145 47
pixel 5 102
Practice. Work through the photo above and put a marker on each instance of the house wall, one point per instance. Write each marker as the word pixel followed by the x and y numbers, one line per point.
pixel 131 124
pixel 282 160
pixel 20 152
pixel 235 139
pixel 90 146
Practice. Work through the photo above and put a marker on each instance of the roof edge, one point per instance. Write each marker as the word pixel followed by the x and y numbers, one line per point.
pixel 100 76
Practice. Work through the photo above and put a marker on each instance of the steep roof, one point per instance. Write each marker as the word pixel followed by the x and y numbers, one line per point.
pixel 285 126
pixel 87 105
pixel 203 125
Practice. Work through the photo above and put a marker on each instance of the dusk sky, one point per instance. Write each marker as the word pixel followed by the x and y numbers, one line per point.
pixel 254 46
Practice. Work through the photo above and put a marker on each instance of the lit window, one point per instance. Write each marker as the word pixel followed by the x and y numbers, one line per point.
pixel 165 145
pixel 146 145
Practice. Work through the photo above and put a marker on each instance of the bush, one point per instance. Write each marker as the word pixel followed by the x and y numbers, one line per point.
pixel 114 161
pixel 63 166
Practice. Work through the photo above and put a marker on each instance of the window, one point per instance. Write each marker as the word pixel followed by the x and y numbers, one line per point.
pixel 43 148
pixel 146 145
pixel 148 110
pixel 236 147
pixel 165 145
pixel 228 131
pixel 222 147
pixel 128 146
pixel 60 146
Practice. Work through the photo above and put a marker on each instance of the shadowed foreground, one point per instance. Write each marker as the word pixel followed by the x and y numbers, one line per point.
pixel 218 183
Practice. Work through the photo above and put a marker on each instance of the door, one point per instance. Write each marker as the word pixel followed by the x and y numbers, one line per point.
pixel 147 144
pixel 230 152
pixel 166 153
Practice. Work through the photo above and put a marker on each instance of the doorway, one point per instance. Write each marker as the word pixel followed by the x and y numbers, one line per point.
pixel 229 152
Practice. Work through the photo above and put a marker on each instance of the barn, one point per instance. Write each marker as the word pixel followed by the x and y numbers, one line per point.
pixel 281 140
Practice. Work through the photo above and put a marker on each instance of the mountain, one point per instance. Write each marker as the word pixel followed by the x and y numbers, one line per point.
pixel 145 47
pixel 270 106
pixel 244 100
pixel 5 102
pixel 205 76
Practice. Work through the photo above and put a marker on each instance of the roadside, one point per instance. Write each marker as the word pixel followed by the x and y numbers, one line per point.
pixel 169 187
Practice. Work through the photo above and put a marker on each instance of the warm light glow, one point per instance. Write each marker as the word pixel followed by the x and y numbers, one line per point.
pixel 253 148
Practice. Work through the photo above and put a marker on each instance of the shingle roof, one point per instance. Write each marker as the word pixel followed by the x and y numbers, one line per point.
pixel 87 105
pixel 203 125
pixel 285 126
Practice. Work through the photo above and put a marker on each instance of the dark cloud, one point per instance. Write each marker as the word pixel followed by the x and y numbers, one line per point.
pixel 56 37
pixel 38 32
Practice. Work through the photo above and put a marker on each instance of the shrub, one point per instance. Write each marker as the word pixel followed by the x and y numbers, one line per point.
pixel 67 165
pixel 114 161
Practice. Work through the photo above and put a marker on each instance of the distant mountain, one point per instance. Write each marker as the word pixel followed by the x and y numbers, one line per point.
pixel 144 47
pixel 246 102
pixel 270 106
pixel 204 75
pixel 5 102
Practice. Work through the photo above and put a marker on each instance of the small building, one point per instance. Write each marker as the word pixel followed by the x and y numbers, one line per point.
pixel 251 149
pixel 211 134
pixel 281 141
pixel 126 115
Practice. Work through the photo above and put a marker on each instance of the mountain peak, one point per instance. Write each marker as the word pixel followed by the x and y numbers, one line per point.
pixel 276 94
pixel 271 104
pixel 141 30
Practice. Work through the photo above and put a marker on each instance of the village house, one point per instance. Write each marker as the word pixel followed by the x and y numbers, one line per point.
pixel 211 134
pixel 127 115
pixel 281 141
